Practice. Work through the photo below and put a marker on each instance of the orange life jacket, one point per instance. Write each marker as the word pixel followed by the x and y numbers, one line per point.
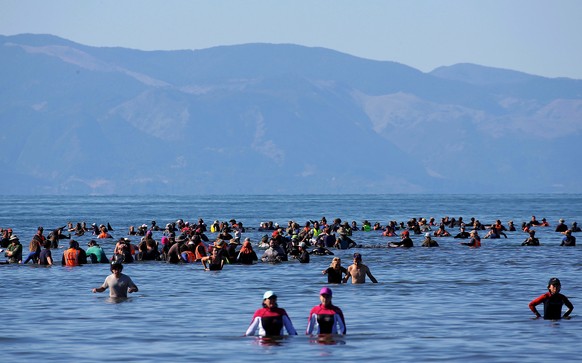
pixel 190 256
pixel 201 251
pixel 72 257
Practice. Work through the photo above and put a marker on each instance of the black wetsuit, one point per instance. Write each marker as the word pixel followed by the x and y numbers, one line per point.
pixel 335 276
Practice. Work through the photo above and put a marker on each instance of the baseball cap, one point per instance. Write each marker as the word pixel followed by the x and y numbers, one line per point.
pixel 269 294
pixel 325 291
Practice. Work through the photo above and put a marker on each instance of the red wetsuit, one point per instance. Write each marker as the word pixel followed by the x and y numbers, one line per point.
pixel 270 321
pixel 326 320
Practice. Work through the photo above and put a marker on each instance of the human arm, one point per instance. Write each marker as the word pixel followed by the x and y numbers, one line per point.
pixel 348 274
pixel 569 306
pixel 102 287
pixel 532 305
pixel 289 325
pixel 311 323
pixel 131 286
pixel 372 278
pixel 341 321
pixel 254 325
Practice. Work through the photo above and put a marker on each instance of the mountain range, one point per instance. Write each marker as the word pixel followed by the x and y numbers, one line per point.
pixel 276 119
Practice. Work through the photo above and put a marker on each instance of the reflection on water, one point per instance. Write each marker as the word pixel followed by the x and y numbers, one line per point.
pixel 328 339
pixel 449 303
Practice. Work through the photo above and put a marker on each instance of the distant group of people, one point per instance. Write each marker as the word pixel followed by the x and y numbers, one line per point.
pixel 184 242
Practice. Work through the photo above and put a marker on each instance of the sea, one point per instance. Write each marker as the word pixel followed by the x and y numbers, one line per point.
pixel 451 303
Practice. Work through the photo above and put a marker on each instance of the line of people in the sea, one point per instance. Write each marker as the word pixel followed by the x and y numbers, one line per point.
pixel 183 242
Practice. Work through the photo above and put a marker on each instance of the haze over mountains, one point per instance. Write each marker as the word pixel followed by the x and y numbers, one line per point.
pixel 273 119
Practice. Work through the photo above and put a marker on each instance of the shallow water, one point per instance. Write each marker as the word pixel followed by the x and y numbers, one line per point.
pixel 443 304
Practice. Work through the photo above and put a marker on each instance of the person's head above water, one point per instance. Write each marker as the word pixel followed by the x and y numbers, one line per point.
pixel 554 281
pixel 325 291
pixel 269 295
pixel 116 266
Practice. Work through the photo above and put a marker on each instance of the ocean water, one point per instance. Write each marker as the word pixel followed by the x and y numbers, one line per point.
pixel 441 304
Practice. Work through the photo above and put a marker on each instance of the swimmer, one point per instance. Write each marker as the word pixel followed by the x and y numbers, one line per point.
pixel 46 257
pixel 326 318
pixel 119 284
pixel 428 241
pixel 358 271
pixel 568 240
pixel 35 247
pixel 14 250
pixel 74 255
pixel 553 302
pixel 442 232
pixel 531 240
pixel 475 240
pixel 303 256
pixel 270 320
pixel 218 257
pixel 96 253
pixel 246 255
pixel 273 254
pixel 405 241
pixel 335 271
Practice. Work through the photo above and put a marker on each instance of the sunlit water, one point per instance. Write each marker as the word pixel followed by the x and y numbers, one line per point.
pixel 442 304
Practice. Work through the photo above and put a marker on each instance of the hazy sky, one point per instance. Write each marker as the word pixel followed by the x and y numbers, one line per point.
pixel 533 36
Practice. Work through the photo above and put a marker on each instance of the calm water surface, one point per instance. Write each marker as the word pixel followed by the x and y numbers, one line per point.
pixel 445 304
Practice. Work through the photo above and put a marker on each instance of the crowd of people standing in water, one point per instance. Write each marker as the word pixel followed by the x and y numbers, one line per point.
pixel 184 242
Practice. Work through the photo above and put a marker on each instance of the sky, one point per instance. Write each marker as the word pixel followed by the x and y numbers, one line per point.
pixel 533 36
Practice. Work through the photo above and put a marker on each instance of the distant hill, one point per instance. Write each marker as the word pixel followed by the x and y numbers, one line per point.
pixel 274 119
